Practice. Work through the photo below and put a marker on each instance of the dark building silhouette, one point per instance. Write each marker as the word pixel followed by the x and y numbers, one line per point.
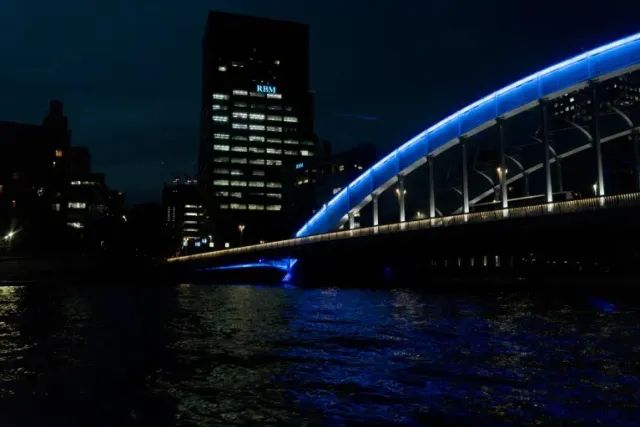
pixel 184 215
pixel 319 179
pixel 256 124
pixel 48 193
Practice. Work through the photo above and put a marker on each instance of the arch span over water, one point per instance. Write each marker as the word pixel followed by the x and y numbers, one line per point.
pixel 619 57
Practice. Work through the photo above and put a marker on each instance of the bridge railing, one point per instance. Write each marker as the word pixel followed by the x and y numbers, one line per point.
pixel 554 208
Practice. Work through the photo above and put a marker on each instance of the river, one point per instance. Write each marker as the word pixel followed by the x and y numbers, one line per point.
pixel 196 355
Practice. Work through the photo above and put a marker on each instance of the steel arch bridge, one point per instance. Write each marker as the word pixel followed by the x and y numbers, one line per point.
pixel 583 71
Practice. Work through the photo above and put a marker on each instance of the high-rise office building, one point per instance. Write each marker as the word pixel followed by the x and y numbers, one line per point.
pixel 256 124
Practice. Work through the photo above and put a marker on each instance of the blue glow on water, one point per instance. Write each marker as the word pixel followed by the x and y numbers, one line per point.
pixel 283 264
pixel 605 60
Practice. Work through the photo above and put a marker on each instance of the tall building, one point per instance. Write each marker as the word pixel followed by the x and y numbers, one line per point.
pixel 256 124
pixel 184 215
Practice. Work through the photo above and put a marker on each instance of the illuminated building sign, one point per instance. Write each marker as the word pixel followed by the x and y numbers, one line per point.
pixel 266 89
pixel 299 165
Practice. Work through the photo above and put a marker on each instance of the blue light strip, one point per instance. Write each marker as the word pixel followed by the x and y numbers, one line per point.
pixel 610 59
pixel 284 264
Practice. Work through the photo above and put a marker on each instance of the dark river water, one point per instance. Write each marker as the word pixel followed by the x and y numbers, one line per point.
pixel 251 355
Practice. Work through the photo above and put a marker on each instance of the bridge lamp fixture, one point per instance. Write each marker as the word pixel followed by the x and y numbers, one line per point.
pixel 9 236
pixel 595 188
pixel 499 170
pixel 404 192
pixel 241 230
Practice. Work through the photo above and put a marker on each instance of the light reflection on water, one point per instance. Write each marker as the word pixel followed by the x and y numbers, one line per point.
pixel 200 355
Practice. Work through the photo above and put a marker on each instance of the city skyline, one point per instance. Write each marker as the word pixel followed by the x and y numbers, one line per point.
pixel 125 103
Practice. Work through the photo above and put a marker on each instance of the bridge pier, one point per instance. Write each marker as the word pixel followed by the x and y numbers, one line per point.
pixel 548 191
pixel 595 134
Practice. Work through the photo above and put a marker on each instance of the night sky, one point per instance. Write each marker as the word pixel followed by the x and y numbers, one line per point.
pixel 128 71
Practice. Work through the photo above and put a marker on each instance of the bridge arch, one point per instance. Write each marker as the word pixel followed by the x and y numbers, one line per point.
pixel 605 62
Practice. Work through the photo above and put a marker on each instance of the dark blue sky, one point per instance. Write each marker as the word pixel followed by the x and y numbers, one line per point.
pixel 128 71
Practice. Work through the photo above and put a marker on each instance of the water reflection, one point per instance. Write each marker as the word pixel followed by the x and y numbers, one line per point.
pixel 199 355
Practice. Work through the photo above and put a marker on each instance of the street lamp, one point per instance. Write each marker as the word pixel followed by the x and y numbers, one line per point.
pixel 241 230
pixel 595 189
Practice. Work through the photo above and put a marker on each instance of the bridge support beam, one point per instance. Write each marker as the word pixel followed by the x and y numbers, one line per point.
pixel 374 198
pixel 352 220
pixel 595 133
pixel 465 177
pixel 525 183
pixel 546 135
pixel 401 192
pixel 636 151
pixel 502 172
pixel 559 174
pixel 432 194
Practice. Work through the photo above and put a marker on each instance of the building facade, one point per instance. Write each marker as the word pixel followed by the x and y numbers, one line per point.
pixel 184 215
pixel 256 125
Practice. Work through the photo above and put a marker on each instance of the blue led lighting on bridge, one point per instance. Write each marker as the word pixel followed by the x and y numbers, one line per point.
pixel 611 59
pixel 283 264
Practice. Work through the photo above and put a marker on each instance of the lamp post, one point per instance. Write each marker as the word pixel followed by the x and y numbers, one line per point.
pixel 241 230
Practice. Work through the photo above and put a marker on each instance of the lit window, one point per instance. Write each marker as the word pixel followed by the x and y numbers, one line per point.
pixel 256 150
pixel 257 173
pixel 220 147
pixel 240 104
pixel 274 95
pixel 256 127
pixel 218 107
pixel 237 64
pixel 239 126
pixel 238 206
pixel 290 119
pixel 257 95
pixel 220 119
pixel 273 151
pixel 310 143
pixel 236 195
pixel 291 141
pixel 239 115
pixel 274 118
pixel 274 185
pixel 256 161
pixel 224 206
pixel 77 205
pixel 220 96
pixel 58 153
pixel 239 161
pixel 239 138
pixel 221 171
pixel 274 129
pixel 221 182
pixel 220 159
pixel 76 225
pixel 290 153
pixel 274 195
pixel 239 183
pixel 222 68
pixel 222 194
pixel 221 135
pixel 307 153
pixel 256 184
pixel 256 138
pixel 236 172
pixel 256 207
pixel 274 207
pixel 239 149
pixel 274 140
pixel 274 162
pixel 256 116
pixel 275 107
pixel 240 92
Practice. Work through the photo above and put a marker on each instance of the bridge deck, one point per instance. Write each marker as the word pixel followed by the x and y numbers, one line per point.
pixel 556 208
